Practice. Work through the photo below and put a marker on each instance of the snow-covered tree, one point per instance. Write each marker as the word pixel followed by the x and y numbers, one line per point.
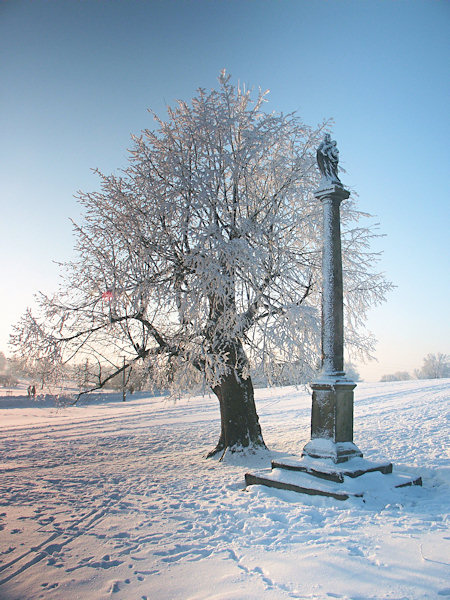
pixel 435 366
pixel 351 371
pixel 3 363
pixel 7 378
pixel 205 252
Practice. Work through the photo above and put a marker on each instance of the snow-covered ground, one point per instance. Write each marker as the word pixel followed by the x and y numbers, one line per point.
pixel 115 500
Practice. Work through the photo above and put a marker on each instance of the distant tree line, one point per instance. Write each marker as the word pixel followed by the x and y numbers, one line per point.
pixel 435 366
pixel 145 378
pixel 82 375
pixel 141 377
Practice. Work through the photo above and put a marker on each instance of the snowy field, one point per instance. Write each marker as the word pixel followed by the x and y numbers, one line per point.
pixel 115 500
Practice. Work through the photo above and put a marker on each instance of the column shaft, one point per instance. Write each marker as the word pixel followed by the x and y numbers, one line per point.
pixel 332 300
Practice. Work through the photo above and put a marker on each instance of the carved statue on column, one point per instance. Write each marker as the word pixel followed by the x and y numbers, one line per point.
pixel 328 159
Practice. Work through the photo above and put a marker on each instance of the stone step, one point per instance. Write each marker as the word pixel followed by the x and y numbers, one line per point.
pixel 271 478
pixel 327 469
pixel 307 483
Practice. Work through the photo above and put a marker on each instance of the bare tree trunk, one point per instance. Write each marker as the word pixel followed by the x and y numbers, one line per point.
pixel 240 426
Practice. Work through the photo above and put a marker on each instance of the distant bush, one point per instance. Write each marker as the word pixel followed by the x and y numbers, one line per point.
pixel 399 376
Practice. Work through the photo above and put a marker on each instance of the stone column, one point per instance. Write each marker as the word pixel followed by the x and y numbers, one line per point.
pixel 332 290
pixel 332 398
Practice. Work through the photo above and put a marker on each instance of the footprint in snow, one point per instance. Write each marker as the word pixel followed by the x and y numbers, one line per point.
pixel 53 548
pixel 355 551
pixel 105 563
pixel 115 587
pixel 49 586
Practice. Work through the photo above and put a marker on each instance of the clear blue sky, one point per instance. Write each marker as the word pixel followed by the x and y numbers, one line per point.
pixel 77 78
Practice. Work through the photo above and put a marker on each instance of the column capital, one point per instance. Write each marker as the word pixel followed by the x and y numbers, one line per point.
pixel 329 381
pixel 330 190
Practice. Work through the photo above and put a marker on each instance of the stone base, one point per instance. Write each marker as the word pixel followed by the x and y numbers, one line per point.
pixel 338 452
pixel 295 483
pixel 324 469
pixel 322 477
pixel 332 419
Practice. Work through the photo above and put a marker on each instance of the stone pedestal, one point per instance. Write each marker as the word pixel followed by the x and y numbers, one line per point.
pixel 332 421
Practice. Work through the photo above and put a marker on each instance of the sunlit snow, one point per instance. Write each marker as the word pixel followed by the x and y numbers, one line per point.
pixel 115 500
